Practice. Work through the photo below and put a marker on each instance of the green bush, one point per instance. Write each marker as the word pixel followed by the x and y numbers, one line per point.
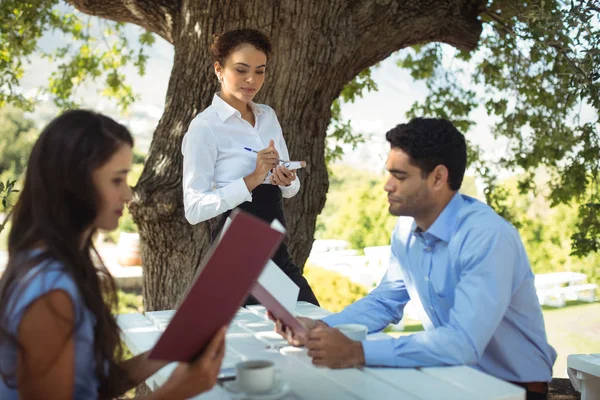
pixel 357 208
pixel 334 291
pixel 546 231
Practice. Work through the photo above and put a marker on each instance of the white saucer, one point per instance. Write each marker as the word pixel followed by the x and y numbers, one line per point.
pixel 280 389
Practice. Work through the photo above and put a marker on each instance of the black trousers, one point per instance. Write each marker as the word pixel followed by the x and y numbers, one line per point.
pixel 267 204
pixel 536 396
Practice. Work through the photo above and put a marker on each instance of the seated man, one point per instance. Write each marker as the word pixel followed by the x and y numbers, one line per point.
pixel 462 264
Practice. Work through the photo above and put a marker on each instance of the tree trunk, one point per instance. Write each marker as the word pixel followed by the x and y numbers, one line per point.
pixel 318 47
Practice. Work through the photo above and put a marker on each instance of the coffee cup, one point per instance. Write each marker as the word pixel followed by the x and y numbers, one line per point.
pixel 356 332
pixel 255 376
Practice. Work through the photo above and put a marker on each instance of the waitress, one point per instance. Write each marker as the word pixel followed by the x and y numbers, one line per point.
pixel 232 150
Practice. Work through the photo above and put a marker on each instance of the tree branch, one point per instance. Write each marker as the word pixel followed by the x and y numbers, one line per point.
pixel 453 22
pixel 155 16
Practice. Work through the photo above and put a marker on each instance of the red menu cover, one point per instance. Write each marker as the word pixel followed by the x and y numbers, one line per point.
pixel 278 311
pixel 226 275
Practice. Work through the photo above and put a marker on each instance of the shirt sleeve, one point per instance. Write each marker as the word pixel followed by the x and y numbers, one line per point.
pixel 43 279
pixel 384 305
pixel 481 300
pixel 294 187
pixel 292 190
pixel 201 202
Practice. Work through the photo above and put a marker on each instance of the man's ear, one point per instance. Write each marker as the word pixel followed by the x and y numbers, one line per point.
pixel 439 176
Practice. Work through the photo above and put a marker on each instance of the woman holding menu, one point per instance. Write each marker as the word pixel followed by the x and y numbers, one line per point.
pixel 233 150
pixel 59 338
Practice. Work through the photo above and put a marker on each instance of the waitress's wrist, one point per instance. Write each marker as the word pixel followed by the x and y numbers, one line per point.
pixel 252 181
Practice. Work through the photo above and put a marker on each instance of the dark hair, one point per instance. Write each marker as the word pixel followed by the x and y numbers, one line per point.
pixel 431 142
pixel 57 205
pixel 228 42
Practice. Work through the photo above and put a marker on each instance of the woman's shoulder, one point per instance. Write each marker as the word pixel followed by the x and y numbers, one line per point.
pixel 45 276
pixel 264 108
pixel 201 124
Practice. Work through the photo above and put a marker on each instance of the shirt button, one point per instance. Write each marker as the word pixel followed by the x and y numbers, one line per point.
pixel 428 248
pixel 426 279
pixel 431 307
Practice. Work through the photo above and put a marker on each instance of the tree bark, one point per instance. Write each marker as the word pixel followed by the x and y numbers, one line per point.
pixel 318 47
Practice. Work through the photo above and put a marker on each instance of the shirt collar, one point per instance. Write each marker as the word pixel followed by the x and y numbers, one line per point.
pixel 445 224
pixel 224 110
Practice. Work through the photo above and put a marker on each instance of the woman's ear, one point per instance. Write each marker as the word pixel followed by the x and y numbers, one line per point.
pixel 218 69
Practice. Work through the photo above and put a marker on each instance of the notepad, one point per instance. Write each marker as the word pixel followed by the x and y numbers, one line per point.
pixel 291 165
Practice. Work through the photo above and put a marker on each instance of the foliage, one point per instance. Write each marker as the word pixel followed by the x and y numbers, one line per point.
pixel 93 51
pixel 6 190
pixel 333 290
pixel 138 158
pixel 546 230
pixel 129 303
pixel 363 218
pixel 357 208
pixel 17 136
pixel 343 181
pixel 126 223
pixel 536 73
pixel 340 132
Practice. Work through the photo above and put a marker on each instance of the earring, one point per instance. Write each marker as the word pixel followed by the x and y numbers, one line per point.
pixel 220 79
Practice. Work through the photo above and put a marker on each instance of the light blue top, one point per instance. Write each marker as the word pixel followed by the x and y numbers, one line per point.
pixel 471 279
pixel 43 278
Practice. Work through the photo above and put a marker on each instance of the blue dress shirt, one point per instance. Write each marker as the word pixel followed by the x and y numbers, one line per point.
pixel 470 276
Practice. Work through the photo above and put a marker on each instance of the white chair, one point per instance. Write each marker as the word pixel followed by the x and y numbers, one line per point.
pixel 584 372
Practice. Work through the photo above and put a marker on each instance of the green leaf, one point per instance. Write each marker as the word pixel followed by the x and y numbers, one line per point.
pixel 536 67
pixel 89 55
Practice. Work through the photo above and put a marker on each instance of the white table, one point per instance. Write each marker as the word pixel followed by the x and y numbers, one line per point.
pixel 251 336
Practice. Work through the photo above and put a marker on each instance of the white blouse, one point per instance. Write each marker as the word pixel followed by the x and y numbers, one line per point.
pixel 215 161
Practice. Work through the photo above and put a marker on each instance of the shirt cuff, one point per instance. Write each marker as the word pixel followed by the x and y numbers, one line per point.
pixel 292 190
pixel 236 193
pixel 379 352
pixel 335 319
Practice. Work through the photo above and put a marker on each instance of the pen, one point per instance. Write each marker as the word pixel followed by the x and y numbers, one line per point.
pixel 254 151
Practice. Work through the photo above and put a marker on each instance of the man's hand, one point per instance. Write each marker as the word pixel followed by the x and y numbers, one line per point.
pixel 288 333
pixel 331 348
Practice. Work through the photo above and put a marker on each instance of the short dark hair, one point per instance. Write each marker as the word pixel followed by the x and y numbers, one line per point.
pixel 228 42
pixel 431 142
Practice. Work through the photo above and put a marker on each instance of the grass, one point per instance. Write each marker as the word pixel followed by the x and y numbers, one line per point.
pixel 573 329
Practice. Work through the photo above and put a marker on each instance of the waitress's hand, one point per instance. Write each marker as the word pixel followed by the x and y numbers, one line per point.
pixel 282 176
pixel 266 160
